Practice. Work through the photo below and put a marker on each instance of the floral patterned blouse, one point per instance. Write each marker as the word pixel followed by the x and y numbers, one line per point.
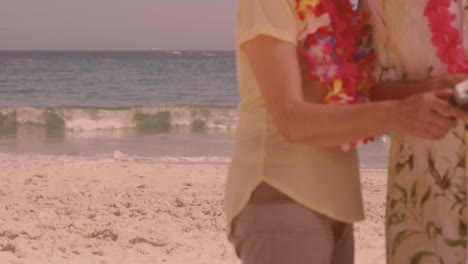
pixel 427 187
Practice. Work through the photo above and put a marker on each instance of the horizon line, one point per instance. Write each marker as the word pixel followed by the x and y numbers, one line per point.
pixel 156 50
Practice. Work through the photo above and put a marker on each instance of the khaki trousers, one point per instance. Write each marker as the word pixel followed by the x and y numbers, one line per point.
pixel 289 233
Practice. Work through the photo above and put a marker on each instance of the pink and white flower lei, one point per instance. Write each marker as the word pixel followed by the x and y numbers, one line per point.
pixel 333 41
pixel 446 38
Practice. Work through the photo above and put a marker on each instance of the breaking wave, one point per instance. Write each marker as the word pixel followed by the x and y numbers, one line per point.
pixel 148 119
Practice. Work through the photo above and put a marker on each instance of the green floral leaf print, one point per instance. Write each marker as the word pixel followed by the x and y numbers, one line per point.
pixel 455 243
pixel 426 196
pixel 399 168
pixel 395 202
pixel 404 193
pixel 396 218
pixel 400 237
pixel 417 258
pixel 462 228
pixel 385 71
pixel 432 229
pixel 461 154
pixel 414 193
pixel 411 162
pixel 460 201
pixel 443 182
pixel 446 182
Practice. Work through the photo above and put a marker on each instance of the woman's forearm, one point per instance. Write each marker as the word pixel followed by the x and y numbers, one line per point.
pixel 397 90
pixel 403 89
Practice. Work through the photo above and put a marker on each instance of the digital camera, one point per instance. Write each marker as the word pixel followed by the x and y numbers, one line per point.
pixel 460 95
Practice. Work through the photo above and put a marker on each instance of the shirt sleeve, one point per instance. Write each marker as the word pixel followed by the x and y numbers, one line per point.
pixel 274 18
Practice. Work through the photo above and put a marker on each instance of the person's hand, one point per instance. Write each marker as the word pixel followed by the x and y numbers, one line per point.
pixel 445 81
pixel 427 115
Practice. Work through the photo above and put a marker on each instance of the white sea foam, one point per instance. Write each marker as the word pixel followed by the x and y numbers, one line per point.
pixel 8 160
pixel 91 119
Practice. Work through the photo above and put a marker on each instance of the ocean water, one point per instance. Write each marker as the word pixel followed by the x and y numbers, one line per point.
pixel 142 103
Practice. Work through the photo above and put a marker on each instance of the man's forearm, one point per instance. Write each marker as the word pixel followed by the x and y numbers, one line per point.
pixel 333 125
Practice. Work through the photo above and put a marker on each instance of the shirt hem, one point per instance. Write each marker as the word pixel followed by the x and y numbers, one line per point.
pixel 297 199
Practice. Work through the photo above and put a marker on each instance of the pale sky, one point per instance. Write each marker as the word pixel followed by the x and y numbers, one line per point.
pixel 117 24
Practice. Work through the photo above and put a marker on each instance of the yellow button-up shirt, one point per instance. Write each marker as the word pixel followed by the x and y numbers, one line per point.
pixel 323 179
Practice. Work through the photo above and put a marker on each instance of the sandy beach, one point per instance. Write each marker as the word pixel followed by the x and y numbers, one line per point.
pixel 122 211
